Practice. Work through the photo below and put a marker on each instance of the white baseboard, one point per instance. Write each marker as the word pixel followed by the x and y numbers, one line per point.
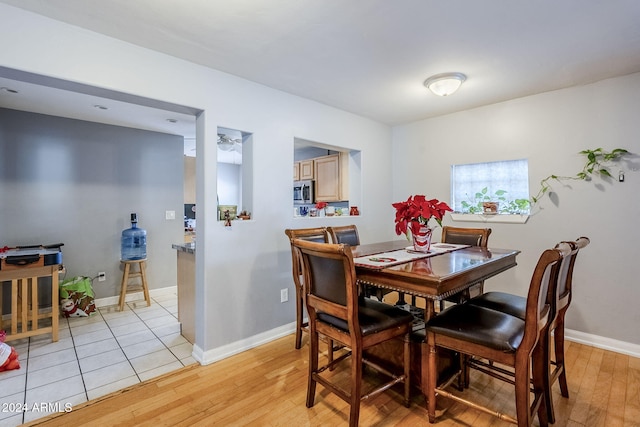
pixel 217 354
pixel 605 343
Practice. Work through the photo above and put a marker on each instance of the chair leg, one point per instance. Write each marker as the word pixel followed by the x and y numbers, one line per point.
pixel 300 324
pixel 559 354
pixel 330 353
pixel 542 374
pixel 356 386
pixel 523 400
pixel 313 367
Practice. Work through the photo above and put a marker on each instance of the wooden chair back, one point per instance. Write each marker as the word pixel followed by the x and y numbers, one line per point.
pixel 317 234
pixel 330 278
pixel 345 234
pixel 565 279
pixel 543 282
pixel 465 236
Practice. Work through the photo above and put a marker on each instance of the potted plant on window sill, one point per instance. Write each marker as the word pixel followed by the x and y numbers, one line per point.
pixel 487 203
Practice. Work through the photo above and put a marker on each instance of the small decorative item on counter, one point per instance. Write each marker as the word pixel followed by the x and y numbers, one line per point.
pixel 330 211
pixel 244 215
pixel 304 210
pixel 354 211
pixel 313 212
pixel 227 218
pixel 8 355
pixel 338 211
pixel 320 206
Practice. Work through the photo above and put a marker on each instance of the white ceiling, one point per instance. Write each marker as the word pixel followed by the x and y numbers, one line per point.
pixel 371 57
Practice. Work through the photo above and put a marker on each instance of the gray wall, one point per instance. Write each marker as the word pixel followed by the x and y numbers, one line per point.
pixel 76 182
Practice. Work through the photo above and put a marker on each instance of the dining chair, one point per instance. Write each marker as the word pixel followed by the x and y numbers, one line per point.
pixel 515 305
pixel 476 331
pixel 348 234
pixel 465 236
pixel 318 234
pixel 337 311
pixel 345 234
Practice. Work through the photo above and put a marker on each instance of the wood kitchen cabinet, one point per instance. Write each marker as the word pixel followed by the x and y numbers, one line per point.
pixel 303 170
pixel 189 180
pixel 307 169
pixel 331 178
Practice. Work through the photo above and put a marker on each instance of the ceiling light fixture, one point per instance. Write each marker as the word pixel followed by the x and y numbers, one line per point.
pixel 172 120
pixel 445 84
pixel 9 90
pixel 100 107
pixel 226 143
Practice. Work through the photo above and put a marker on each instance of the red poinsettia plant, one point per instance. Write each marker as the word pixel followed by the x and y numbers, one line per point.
pixel 321 205
pixel 416 212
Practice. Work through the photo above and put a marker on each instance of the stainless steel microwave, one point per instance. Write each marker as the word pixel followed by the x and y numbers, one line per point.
pixel 303 192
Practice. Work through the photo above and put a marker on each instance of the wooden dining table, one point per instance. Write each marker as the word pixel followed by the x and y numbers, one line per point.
pixel 433 278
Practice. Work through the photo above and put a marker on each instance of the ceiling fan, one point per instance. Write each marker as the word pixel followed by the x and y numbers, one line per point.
pixel 226 143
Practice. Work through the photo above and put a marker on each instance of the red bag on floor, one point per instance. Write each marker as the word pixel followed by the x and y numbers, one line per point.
pixel 8 355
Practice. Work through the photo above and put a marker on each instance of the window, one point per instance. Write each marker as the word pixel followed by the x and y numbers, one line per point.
pixel 504 182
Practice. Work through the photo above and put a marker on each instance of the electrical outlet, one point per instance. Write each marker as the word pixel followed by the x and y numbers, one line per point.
pixel 284 295
pixel 170 215
pixel 102 276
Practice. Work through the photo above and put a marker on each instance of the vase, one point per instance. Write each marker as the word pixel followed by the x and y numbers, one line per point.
pixel 422 239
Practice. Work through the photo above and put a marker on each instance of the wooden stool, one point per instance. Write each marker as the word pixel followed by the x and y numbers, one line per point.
pixel 128 275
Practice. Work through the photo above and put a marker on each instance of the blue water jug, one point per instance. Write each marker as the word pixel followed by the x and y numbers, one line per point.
pixel 134 241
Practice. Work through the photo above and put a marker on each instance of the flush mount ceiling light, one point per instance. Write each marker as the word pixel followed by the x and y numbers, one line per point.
pixel 445 84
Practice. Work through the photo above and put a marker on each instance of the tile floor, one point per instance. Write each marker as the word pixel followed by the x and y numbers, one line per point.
pixel 94 356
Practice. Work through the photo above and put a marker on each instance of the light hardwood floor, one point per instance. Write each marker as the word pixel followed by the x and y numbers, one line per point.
pixel 266 386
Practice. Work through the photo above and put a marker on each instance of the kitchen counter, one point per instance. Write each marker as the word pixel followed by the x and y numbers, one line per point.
pixel 189 248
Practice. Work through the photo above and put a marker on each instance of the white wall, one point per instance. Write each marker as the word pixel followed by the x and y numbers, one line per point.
pixel 240 270
pixel 229 184
pixel 549 129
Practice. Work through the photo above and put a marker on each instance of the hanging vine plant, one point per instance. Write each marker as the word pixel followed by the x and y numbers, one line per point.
pixel 597 164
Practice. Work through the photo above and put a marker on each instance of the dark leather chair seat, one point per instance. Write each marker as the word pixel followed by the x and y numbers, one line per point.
pixel 479 325
pixel 374 316
pixel 503 302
